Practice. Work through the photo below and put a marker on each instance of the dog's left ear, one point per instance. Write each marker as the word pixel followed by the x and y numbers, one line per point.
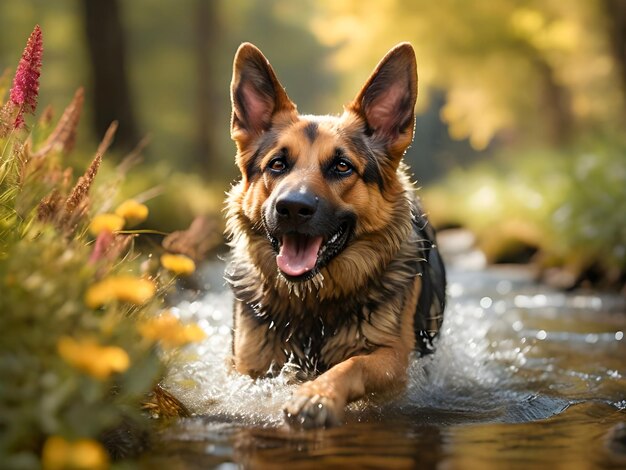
pixel 387 100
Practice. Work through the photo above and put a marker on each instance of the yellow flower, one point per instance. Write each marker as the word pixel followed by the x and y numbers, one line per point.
pixel 125 288
pixel 132 211
pixel 178 264
pixel 109 222
pixel 87 355
pixel 84 454
pixel 170 331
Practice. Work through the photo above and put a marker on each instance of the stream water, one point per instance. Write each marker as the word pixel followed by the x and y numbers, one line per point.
pixel 523 377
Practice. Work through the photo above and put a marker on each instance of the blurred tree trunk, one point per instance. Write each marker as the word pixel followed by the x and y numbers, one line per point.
pixel 107 53
pixel 616 16
pixel 206 37
pixel 556 105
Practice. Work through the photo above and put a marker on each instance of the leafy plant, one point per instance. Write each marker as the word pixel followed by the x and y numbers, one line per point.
pixel 81 311
pixel 567 205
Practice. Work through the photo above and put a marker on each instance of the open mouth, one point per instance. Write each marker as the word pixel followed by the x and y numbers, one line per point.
pixel 300 256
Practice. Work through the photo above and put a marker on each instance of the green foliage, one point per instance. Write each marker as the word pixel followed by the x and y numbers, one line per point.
pixel 570 206
pixel 44 279
pixel 78 351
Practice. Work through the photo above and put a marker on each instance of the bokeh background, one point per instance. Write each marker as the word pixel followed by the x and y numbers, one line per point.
pixel 521 110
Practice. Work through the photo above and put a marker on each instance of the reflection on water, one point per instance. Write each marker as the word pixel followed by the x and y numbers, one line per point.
pixel 523 376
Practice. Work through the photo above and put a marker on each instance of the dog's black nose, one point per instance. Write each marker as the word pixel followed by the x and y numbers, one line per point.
pixel 296 206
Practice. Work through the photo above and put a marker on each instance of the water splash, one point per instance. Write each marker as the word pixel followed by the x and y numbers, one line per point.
pixel 494 362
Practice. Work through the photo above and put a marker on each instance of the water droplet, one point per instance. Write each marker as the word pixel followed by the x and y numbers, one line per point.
pixel 499 307
pixel 504 287
pixel 541 335
pixel 522 301
pixel 614 374
pixel 486 302
pixel 455 289
pixel 619 335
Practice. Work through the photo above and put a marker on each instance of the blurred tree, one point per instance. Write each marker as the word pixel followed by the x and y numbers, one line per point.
pixel 616 16
pixel 555 102
pixel 534 69
pixel 180 64
pixel 107 54
pixel 207 35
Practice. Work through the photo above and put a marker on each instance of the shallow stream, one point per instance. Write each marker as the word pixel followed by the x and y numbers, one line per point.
pixel 523 377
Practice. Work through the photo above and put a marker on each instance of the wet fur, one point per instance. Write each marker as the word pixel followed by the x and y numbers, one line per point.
pixel 351 328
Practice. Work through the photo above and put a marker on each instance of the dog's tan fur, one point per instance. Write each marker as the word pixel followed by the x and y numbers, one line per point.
pixel 352 325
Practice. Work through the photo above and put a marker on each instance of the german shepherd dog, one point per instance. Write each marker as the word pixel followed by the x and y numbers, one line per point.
pixel 333 266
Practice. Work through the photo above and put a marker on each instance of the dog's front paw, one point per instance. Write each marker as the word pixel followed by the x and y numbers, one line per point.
pixel 313 411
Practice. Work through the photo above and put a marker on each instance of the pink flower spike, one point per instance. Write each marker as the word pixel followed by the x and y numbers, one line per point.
pixel 26 81
pixel 102 245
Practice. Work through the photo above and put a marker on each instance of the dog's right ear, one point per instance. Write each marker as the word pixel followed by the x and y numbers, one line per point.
pixel 256 95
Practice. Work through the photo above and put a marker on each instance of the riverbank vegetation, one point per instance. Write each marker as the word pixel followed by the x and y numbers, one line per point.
pixel 563 211
pixel 85 333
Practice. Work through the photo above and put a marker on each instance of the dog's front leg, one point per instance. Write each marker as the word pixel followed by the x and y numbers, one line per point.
pixel 322 401
pixel 253 345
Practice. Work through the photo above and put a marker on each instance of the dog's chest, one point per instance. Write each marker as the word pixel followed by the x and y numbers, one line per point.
pixel 276 326
pixel 316 343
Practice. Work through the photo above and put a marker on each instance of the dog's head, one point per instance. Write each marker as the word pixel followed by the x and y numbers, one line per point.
pixel 315 184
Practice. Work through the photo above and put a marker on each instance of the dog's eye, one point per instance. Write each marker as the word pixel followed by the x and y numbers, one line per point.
pixel 342 167
pixel 278 165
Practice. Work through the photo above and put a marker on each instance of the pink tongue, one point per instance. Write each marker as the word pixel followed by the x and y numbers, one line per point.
pixel 298 254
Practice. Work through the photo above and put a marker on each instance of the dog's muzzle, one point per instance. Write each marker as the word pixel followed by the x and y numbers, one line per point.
pixel 305 232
